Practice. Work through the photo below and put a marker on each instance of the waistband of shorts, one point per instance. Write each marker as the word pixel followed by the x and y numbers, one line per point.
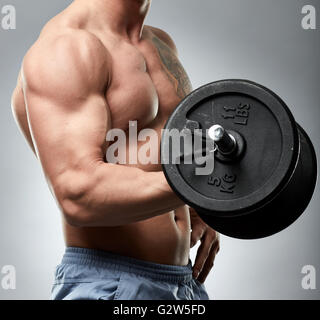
pixel 116 262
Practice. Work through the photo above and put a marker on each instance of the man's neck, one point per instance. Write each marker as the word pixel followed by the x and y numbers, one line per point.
pixel 124 17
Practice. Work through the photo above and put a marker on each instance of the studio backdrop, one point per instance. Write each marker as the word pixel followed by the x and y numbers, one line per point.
pixel 275 43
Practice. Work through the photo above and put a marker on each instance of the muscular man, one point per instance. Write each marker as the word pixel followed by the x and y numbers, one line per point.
pixel 95 67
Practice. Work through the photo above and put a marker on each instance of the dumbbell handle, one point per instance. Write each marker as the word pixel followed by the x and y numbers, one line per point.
pixel 225 142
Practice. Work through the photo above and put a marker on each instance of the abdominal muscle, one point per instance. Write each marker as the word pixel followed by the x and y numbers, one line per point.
pixel 163 239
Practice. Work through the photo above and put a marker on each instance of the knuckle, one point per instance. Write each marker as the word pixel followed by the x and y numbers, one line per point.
pixel 195 237
pixel 211 236
pixel 197 230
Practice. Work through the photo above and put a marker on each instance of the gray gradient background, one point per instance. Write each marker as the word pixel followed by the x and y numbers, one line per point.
pixel 261 40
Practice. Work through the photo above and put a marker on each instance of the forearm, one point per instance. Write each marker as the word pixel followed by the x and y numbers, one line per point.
pixel 121 195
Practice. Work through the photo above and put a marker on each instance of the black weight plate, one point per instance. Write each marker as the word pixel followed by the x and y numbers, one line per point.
pixel 271 153
pixel 284 209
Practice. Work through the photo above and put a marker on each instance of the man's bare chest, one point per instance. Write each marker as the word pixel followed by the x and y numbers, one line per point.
pixel 147 83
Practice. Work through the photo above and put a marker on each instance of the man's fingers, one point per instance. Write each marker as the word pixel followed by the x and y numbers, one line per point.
pixel 196 234
pixel 209 262
pixel 202 254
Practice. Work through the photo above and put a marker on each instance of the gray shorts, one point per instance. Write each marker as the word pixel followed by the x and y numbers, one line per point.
pixel 87 274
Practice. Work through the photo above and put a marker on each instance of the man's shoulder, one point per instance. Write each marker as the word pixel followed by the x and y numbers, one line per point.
pixel 67 41
pixel 164 36
pixel 62 55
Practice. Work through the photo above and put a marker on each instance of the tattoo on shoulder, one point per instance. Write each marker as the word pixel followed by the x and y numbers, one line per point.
pixel 174 70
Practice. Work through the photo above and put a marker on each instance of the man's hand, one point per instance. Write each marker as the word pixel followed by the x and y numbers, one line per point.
pixel 208 248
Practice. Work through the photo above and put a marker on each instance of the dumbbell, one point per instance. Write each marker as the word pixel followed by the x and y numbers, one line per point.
pixel 265 166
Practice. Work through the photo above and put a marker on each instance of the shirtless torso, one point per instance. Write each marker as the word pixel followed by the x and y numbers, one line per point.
pixel 78 81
